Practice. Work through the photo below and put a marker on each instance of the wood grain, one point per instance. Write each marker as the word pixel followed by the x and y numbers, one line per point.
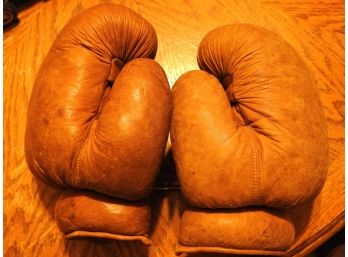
pixel 315 29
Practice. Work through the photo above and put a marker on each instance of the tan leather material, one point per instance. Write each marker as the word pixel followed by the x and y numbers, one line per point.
pixel 98 119
pixel 81 213
pixel 247 130
pixel 222 250
pixel 251 229
pixel 270 147
pixel 83 133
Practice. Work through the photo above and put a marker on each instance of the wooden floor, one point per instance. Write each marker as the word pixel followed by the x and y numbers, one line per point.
pixel 314 28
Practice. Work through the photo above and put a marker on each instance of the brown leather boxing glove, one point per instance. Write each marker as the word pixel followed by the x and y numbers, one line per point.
pixel 249 139
pixel 98 120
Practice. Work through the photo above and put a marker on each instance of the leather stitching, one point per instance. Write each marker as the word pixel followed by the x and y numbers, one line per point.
pixel 76 165
pixel 256 166
pixel 93 123
pixel 76 169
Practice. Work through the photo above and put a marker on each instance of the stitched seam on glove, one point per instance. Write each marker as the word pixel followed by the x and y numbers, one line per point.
pixel 92 125
pixel 256 166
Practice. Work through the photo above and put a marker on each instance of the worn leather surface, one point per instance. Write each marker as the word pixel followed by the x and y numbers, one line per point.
pixel 82 213
pixel 241 228
pixel 247 130
pixel 100 109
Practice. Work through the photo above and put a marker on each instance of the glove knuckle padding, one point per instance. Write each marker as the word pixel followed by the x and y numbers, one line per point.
pixel 249 129
pixel 81 132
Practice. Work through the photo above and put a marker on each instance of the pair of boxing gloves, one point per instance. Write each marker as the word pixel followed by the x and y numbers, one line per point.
pixel 248 133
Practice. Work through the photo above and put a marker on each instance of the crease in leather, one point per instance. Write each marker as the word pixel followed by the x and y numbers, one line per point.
pixel 77 234
pixel 76 170
pixel 225 250
pixel 92 125
pixel 116 66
